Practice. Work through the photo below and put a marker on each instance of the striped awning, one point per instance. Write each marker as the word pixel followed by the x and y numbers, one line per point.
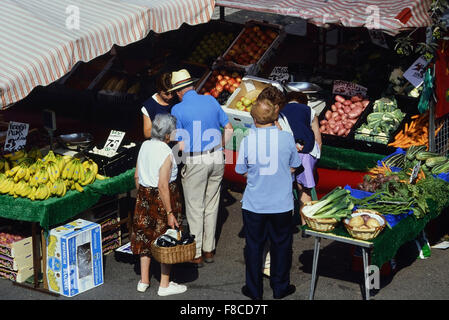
pixel 41 40
pixel 389 16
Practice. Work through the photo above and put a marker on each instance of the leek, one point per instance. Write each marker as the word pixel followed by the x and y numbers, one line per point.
pixel 333 198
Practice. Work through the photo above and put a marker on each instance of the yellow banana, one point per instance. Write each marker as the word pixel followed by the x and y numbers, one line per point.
pixel 15 155
pixel 100 177
pixel 78 187
pixel 7 166
pixel 11 172
pixel 71 169
pixel 6 185
pixel 81 171
pixel 87 177
pixel 32 194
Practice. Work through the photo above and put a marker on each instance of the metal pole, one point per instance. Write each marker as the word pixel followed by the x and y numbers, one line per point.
pixel 316 253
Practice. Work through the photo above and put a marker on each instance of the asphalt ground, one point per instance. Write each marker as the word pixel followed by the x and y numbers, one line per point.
pixel 414 279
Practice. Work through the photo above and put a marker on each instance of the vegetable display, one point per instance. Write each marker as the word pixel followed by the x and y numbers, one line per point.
pixel 342 115
pixel 381 123
pixel 414 133
pixel 336 204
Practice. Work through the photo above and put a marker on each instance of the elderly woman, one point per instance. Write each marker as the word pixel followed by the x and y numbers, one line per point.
pixel 158 205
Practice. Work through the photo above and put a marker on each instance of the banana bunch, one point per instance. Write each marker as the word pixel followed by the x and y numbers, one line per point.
pixel 73 170
pixel 42 192
pixel 35 153
pixel 53 170
pixel 7 185
pixel 58 188
pixel 4 165
pixel 22 189
pixel 15 157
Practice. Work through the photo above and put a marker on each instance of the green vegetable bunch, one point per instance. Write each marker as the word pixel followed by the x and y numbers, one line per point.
pixel 336 204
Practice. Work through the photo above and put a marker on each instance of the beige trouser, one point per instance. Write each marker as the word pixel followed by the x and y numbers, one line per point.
pixel 201 182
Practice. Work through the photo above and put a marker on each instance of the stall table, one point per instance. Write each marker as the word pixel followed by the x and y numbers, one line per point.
pixel 385 246
pixel 55 211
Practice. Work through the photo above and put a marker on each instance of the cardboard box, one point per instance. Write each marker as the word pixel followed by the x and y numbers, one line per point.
pixel 16 263
pixel 250 87
pixel 74 258
pixel 19 248
pixel 18 276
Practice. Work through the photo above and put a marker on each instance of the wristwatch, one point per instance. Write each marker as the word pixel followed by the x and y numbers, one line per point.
pixel 169 213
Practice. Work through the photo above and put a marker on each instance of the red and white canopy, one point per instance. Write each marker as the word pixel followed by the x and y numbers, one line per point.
pixel 41 40
pixel 390 16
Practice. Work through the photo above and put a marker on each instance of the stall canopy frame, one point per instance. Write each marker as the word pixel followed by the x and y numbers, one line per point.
pixel 42 40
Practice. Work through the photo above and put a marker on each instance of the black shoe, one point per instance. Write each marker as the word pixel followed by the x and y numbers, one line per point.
pixel 290 289
pixel 245 292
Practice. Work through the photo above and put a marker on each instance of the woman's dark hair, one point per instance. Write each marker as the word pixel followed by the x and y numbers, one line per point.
pixel 163 83
pixel 272 94
pixel 297 96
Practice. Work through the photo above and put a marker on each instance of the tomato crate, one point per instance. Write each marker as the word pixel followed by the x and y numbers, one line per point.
pixel 253 47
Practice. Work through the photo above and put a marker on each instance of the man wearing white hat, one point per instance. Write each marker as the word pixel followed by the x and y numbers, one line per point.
pixel 199 122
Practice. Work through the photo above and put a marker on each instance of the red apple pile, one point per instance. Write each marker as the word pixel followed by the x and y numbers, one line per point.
pixel 251 45
pixel 221 84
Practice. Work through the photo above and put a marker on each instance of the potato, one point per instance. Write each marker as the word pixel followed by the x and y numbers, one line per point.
pixel 356 221
pixel 372 223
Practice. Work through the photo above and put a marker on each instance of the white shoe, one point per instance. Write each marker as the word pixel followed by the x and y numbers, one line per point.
pixel 173 288
pixel 142 287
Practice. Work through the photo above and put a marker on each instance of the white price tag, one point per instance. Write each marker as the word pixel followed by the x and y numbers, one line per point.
pixel 348 89
pixel 415 172
pixel 415 74
pixel 16 136
pixel 249 85
pixel 114 140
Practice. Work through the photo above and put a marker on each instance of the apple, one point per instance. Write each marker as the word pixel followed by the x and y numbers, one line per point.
pixel 238 79
pixel 214 93
pixel 246 102
pixel 248 109
pixel 232 89
pixel 219 77
pixel 223 82
pixel 227 87
pixel 231 81
pixel 239 105
pixel 219 88
pixel 235 74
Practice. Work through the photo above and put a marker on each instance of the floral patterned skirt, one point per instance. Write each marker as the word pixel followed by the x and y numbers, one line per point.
pixel 150 218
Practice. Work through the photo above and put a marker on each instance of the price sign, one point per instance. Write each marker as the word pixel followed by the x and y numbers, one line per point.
pixel 415 74
pixel 16 136
pixel 114 140
pixel 348 89
pixel 415 172
pixel 279 74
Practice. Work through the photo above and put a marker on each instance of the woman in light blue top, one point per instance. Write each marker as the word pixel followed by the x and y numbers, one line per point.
pixel 267 157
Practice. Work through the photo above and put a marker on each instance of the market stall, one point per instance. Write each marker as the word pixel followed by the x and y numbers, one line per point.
pixel 44 44
pixel 43 40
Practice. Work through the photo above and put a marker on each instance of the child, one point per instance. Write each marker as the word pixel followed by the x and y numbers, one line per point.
pixel 267 157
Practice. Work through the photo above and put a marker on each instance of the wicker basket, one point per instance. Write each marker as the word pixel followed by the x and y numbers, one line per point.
pixel 322 225
pixel 368 234
pixel 173 255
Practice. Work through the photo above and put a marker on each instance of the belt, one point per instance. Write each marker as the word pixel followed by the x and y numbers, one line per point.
pixel 199 153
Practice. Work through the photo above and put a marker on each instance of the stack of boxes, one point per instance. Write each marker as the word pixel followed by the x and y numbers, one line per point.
pixel 16 257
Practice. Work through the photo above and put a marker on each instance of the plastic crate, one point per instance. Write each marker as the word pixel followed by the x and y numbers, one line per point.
pixel 124 160
pixel 347 141
pixel 254 68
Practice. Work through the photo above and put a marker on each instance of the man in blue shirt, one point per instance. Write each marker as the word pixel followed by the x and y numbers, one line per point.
pixel 199 122
pixel 267 157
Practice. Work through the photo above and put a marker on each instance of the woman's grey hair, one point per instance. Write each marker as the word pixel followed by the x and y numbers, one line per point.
pixel 163 124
